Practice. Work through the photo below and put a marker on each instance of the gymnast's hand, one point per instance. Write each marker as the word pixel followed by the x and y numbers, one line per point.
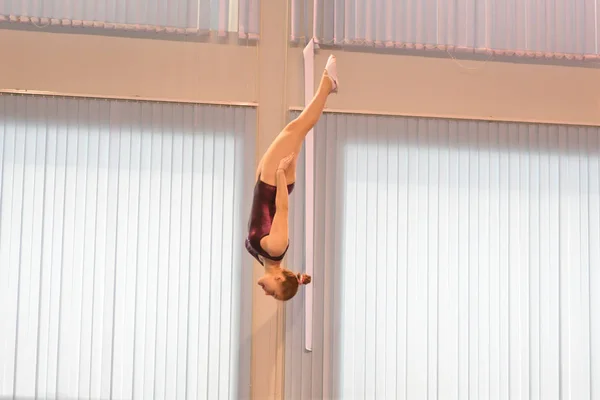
pixel 286 162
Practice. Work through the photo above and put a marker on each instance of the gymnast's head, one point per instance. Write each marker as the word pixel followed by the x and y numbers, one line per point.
pixel 282 284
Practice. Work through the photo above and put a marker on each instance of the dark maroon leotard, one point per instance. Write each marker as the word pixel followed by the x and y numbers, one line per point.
pixel 261 218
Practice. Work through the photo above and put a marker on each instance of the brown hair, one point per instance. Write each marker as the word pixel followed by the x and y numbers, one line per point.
pixel 289 287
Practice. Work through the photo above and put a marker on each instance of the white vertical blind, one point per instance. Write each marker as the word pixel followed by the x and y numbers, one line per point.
pixel 174 16
pixel 121 273
pixel 311 375
pixel 457 259
pixel 546 28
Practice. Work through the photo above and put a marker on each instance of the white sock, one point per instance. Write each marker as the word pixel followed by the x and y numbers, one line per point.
pixel 331 69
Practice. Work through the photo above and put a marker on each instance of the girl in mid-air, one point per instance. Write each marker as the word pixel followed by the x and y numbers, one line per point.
pixel 268 239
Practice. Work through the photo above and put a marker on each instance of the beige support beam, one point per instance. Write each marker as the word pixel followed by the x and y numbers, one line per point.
pixel 390 84
pixel 268 322
pixel 121 67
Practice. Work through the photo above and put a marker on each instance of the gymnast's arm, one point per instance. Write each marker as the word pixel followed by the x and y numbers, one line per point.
pixel 258 170
pixel 277 240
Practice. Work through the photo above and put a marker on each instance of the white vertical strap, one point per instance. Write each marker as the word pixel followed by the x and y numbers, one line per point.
pixel 309 88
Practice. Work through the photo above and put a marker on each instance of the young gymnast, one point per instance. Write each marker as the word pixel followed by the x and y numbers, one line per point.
pixel 267 239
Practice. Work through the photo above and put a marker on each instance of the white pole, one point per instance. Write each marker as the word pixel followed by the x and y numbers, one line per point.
pixel 309 88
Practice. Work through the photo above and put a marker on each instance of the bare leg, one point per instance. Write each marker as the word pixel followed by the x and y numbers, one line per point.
pixel 291 137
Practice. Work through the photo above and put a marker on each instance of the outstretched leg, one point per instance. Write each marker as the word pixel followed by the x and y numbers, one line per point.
pixel 291 137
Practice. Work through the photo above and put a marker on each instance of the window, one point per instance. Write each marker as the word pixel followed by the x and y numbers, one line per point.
pixel 455 257
pixel 543 29
pixel 170 16
pixel 119 264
